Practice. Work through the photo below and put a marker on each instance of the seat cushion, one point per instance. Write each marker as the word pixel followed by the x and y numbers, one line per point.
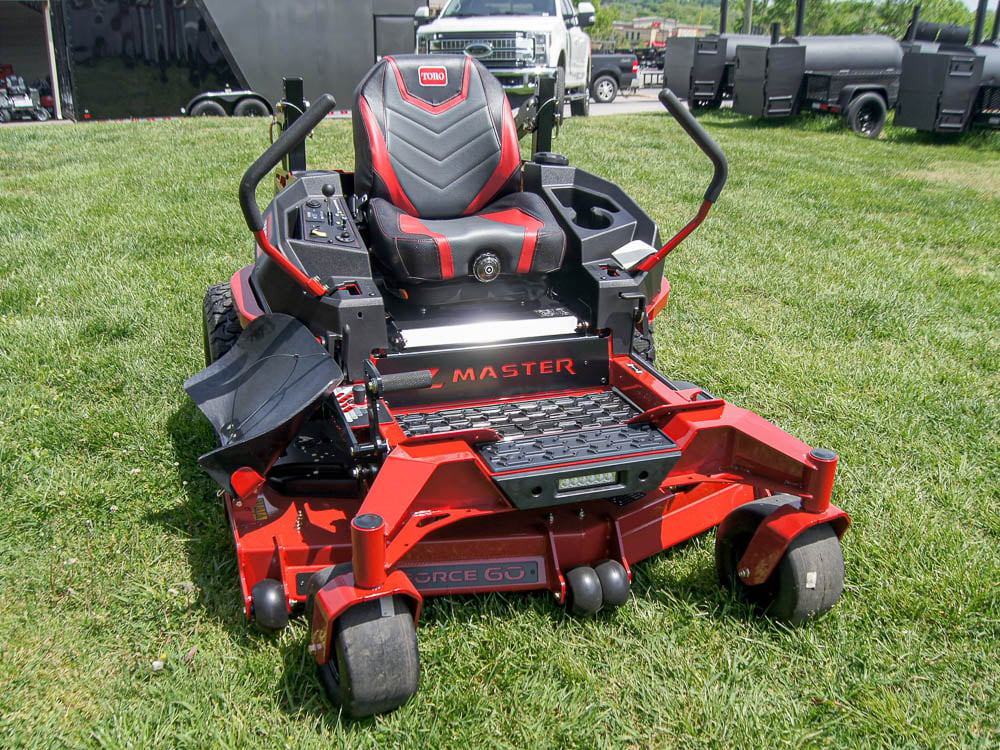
pixel 518 229
pixel 434 135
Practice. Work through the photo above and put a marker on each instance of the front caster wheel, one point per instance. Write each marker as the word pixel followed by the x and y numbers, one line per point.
pixel 583 591
pixel 615 586
pixel 807 582
pixel 270 609
pixel 374 665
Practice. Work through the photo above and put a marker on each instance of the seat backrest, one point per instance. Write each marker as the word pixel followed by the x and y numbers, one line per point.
pixel 434 135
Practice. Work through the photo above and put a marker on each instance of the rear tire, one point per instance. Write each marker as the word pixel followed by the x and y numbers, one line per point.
pixel 220 322
pixel 604 89
pixel 866 114
pixel 808 581
pixel 374 663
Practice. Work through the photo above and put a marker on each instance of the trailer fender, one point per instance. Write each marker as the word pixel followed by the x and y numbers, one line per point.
pixel 776 532
pixel 849 93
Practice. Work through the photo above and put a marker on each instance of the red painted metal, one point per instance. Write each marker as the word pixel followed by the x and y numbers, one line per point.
pixel 368 550
pixel 243 297
pixel 445 522
pixel 648 264
pixel 777 531
pixel 311 285
pixel 340 594
pixel 659 302
pixel 820 482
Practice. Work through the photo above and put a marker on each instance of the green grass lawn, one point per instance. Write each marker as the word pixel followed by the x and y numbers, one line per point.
pixel 846 289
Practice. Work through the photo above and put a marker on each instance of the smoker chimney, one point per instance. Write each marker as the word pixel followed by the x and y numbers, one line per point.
pixel 996 24
pixel 800 16
pixel 977 30
pixel 724 15
pixel 775 32
pixel 911 33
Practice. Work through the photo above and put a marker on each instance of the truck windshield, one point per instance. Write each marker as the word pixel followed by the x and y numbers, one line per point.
pixel 458 8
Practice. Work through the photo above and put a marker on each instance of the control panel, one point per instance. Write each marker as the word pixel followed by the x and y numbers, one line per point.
pixel 327 220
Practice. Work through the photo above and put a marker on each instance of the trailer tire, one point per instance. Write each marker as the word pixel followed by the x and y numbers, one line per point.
pixel 604 89
pixel 809 579
pixel 220 321
pixel 250 107
pixel 208 108
pixel 41 114
pixel 866 114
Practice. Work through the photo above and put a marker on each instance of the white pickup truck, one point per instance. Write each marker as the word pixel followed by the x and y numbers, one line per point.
pixel 519 41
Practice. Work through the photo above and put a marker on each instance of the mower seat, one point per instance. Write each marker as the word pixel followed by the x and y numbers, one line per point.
pixel 437 154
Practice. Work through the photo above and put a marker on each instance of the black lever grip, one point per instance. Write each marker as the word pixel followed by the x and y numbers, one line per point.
pixel 405 381
pixel 704 141
pixel 267 161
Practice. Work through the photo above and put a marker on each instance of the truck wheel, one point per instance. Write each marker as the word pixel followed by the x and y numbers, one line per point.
pixel 866 114
pixel 604 89
pixel 374 665
pixel 208 108
pixel 250 108
pixel 41 114
pixel 807 582
pixel 220 323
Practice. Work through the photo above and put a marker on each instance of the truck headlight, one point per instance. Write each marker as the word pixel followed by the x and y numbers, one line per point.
pixel 541 40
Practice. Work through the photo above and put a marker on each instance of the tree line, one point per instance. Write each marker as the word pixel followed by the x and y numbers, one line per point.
pixel 889 17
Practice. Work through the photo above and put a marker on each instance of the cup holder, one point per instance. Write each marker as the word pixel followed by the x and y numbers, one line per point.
pixel 587 210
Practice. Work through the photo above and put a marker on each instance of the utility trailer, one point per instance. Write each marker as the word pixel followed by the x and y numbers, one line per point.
pixel 855 75
pixel 700 69
pixel 948 87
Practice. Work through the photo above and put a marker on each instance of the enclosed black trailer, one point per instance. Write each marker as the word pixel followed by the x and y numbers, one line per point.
pixel 145 58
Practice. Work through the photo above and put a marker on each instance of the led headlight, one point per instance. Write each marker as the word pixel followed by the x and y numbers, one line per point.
pixel 600 479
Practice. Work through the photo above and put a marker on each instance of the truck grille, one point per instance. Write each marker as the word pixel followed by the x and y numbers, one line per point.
pixel 504 48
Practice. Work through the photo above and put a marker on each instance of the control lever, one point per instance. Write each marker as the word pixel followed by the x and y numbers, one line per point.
pixel 374 387
pixel 715 154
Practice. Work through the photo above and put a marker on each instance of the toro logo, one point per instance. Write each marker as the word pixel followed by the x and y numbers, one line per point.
pixel 437 76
